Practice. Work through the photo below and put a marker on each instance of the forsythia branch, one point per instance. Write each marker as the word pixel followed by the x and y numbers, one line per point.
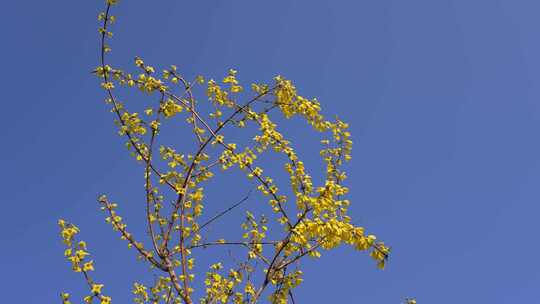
pixel 303 218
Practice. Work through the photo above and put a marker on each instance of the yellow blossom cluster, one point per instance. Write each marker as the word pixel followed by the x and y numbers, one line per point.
pixel 285 284
pixel 255 234
pixel 76 253
pixel 149 84
pixel 170 108
pixel 132 124
pixel 221 97
pixel 220 288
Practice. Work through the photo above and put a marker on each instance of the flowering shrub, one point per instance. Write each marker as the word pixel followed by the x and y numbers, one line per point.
pixel 309 218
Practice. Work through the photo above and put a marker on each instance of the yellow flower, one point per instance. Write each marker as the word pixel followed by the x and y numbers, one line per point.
pixel 149 70
pixel 65 298
pixel 236 88
pixel 81 254
pixel 68 252
pixel 89 266
pixel 105 300
pixel 139 62
pixel 154 124
pixel 96 288
pixel 107 85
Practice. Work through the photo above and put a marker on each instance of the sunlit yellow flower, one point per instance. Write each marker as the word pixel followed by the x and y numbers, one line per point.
pixel 96 288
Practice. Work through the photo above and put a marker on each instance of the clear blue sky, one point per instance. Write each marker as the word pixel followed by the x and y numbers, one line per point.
pixel 442 96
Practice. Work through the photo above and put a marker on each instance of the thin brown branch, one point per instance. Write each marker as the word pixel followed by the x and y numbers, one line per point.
pixel 222 213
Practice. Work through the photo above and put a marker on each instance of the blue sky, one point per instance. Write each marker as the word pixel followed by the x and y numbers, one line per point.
pixel 441 97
